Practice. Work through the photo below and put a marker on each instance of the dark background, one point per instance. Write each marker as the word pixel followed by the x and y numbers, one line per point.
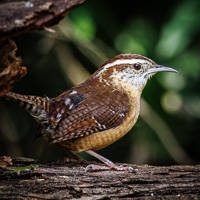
pixel 168 130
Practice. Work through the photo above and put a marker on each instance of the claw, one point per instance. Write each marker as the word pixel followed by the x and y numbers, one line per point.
pixel 93 167
pixel 109 164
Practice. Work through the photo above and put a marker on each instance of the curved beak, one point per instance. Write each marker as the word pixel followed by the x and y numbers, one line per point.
pixel 161 68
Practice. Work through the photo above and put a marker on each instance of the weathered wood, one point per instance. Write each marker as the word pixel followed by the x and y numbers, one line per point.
pixel 11 69
pixel 70 181
pixel 18 16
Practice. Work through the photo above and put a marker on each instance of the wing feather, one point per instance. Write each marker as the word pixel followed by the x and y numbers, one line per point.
pixel 91 114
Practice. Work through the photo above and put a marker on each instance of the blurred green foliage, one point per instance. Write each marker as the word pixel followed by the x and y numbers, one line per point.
pixel 168 130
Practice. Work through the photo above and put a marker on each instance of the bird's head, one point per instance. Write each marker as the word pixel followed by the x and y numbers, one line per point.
pixel 132 70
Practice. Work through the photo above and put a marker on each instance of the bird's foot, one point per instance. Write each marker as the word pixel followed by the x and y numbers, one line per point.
pixel 94 167
pixel 109 164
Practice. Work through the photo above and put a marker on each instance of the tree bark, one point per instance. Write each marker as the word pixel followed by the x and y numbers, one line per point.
pixel 11 69
pixel 18 16
pixel 29 179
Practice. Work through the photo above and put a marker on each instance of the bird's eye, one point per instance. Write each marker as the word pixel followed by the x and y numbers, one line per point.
pixel 137 66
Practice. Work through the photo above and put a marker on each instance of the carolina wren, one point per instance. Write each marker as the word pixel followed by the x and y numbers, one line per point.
pixel 99 111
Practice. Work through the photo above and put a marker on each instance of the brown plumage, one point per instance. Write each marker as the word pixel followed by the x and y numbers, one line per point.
pixel 91 113
pixel 38 107
pixel 97 112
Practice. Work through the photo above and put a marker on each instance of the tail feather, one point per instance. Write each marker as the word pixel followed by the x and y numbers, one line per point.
pixel 36 106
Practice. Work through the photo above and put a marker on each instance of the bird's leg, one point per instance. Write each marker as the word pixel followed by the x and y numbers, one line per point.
pixel 109 164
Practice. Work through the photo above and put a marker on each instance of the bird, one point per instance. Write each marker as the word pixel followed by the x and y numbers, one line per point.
pixel 97 112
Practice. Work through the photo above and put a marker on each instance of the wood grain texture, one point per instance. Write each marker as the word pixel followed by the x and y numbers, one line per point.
pixel 70 181
pixel 11 68
pixel 18 16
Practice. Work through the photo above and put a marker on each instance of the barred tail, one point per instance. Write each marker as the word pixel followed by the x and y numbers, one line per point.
pixel 36 106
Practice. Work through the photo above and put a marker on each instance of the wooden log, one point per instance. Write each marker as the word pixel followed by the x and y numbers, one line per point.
pixel 29 179
pixel 19 16
pixel 11 69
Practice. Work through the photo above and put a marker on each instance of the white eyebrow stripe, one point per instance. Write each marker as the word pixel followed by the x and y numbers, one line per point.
pixel 122 61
